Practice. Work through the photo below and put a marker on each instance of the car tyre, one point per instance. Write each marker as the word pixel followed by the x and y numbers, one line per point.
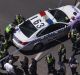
pixel 38 46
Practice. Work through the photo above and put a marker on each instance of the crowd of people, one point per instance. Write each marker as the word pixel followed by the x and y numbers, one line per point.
pixel 8 63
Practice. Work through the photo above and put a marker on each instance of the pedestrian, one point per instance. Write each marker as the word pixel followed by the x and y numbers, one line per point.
pixel 51 63
pixel 62 53
pixel 9 68
pixel 19 18
pixel 33 67
pixel 62 69
pixel 3 53
pixel 73 63
pixel 24 65
pixel 9 32
pixel 73 35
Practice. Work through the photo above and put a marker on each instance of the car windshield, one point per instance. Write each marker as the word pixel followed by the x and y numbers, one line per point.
pixel 59 15
pixel 27 28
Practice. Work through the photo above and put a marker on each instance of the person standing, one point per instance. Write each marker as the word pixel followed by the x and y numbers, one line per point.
pixel 73 35
pixel 33 67
pixel 9 68
pixel 19 18
pixel 73 63
pixel 24 65
pixel 62 53
pixel 9 32
pixel 3 52
pixel 62 69
pixel 51 63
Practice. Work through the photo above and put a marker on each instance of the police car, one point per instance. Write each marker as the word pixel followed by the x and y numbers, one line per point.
pixel 44 27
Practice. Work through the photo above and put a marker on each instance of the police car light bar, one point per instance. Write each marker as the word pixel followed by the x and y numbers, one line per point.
pixel 42 13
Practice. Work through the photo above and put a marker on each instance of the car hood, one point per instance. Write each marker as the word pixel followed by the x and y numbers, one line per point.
pixel 18 34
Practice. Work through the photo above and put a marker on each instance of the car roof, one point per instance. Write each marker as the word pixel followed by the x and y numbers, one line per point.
pixel 43 19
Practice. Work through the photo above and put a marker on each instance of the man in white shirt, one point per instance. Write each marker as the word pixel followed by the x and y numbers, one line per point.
pixel 9 68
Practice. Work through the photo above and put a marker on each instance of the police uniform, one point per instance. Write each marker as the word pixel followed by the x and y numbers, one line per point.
pixel 62 69
pixel 3 53
pixel 72 35
pixel 9 32
pixel 73 65
pixel 51 63
pixel 19 19
pixel 62 53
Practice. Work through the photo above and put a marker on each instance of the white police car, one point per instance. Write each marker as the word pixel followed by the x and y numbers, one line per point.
pixel 43 28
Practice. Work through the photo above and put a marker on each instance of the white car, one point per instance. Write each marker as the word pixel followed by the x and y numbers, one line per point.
pixel 44 27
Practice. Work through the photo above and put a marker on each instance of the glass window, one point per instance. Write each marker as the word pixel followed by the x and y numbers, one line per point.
pixel 59 15
pixel 52 28
pixel 27 28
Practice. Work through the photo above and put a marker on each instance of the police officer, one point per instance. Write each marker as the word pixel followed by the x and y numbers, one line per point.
pixel 19 19
pixel 51 63
pixel 9 32
pixel 62 69
pixel 72 35
pixel 24 65
pixel 73 65
pixel 3 51
pixel 33 67
pixel 62 53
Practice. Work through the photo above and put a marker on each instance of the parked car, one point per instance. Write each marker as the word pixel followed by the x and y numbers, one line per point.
pixel 44 27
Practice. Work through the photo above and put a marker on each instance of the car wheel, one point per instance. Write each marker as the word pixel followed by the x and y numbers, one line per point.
pixel 38 46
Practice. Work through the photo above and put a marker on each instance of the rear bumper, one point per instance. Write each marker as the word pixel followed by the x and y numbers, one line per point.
pixel 17 44
pixel 27 47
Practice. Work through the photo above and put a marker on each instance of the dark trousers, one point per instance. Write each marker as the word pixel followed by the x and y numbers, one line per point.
pixel 73 70
pixel 50 68
pixel 7 35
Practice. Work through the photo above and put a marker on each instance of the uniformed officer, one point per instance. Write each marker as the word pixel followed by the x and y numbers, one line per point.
pixel 24 65
pixel 72 35
pixel 19 19
pixel 9 32
pixel 62 53
pixel 51 63
pixel 3 51
pixel 33 67
pixel 73 65
pixel 62 69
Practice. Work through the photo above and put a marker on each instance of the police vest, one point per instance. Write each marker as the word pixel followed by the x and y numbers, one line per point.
pixel 19 19
pixel 73 34
pixel 49 60
pixel 8 29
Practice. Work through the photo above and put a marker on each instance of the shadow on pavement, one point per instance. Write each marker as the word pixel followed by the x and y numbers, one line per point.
pixel 47 46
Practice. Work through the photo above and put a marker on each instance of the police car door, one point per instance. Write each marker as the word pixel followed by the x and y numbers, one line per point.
pixel 48 34
pixel 63 29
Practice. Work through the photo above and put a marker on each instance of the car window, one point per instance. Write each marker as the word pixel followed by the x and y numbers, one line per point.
pixel 27 28
pixel 59 15
pixel 52 28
